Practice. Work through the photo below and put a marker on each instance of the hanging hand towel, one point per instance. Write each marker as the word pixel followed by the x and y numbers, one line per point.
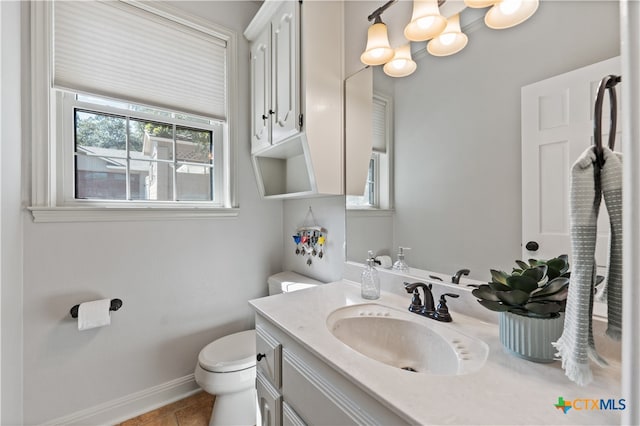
pixel 611 183
pixel 576 344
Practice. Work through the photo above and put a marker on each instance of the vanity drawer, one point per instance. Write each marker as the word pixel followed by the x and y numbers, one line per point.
pixel 269 402
pixel 269 356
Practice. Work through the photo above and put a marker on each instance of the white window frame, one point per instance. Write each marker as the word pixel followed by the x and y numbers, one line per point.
pixel 67 104
pixel 383 167
pixel 52 198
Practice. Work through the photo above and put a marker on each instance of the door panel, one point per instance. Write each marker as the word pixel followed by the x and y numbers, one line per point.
pixel 285 72
pixel 557 126
pixel 260 86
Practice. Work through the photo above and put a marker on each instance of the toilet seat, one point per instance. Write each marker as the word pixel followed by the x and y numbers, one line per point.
pixel 230 353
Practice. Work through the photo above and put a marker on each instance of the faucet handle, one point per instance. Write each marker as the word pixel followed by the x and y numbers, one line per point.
pixel 416 302
pixel 442 311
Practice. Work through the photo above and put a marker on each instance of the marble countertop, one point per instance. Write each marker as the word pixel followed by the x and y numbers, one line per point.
pixel 506 390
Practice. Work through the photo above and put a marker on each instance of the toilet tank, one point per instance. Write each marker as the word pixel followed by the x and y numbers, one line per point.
pixel 284 282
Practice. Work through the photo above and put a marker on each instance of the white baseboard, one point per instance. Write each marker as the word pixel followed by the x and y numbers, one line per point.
pixel 132 405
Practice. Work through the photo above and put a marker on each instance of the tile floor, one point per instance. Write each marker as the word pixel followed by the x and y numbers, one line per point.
pixel 192 411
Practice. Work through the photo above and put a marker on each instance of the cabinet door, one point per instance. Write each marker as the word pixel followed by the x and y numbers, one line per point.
pixel 269 402
pixel 260 64
pixel 285 92
pixel 269 352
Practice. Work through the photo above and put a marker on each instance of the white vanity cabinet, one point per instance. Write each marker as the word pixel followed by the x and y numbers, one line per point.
pixel 296 69
pixel 302 389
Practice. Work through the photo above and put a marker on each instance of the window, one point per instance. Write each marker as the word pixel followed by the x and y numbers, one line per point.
pixel 370 198
pixel 377 191
pixel 140 97
pixel 130 152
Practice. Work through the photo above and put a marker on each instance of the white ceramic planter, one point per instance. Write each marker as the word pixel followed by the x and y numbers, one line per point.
pixel 530 338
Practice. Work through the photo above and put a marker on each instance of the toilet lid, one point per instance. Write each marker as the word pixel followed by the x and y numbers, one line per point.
pixel 230 353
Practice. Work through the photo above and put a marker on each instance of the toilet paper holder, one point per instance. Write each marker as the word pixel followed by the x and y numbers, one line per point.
pixel 115 305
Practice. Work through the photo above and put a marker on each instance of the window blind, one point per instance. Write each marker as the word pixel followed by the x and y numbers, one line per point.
pixel 379 143
pixel 117 50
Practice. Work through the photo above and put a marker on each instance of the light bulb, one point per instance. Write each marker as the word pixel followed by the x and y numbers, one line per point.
pixel 377 53
pixel 479 4
pixel 399 63
pixel 509 7
pixel 447 39
pixel 426 22
pixel 509 13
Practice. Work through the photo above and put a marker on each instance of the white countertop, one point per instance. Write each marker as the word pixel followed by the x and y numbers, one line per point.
pixel 506 390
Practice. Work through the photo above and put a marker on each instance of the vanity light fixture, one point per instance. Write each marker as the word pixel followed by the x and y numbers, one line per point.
pixel 402 64
pixel 452 40
pixel 444 36
pixel 378 50
pixel 426 21
pixel 509 13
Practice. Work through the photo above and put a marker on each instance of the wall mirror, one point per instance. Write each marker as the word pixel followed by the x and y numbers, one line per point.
pixel 456 196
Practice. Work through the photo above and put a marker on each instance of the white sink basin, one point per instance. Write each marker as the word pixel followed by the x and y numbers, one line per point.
pixel 406 340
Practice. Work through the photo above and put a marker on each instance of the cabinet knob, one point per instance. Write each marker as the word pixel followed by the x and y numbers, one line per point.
pixel 532 246
pixel 265 117
pixel 271 112
pixel 260 356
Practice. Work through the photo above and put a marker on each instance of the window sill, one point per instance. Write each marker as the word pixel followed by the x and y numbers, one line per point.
pixel 368 212
pixel 126 214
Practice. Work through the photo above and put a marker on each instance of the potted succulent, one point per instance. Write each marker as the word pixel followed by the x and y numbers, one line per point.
pixel 531 301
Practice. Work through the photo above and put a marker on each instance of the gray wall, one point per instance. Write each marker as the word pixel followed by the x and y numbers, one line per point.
pixel 328 213
pixel 10 216
pixel 457 134
pixel 184 283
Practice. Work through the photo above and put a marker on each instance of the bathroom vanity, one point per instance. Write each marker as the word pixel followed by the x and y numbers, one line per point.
pixel 307 374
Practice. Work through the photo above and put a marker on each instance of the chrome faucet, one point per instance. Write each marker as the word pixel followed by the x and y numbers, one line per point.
pixel 428 309
pixel 456 278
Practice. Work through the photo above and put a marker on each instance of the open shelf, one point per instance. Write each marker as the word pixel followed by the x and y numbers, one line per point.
pixel 283 170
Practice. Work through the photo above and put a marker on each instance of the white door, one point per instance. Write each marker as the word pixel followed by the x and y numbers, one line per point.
pixel 285 71
pixel 260 65
pixel 557 126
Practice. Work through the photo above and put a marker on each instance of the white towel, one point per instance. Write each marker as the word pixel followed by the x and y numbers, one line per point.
pixel 576 344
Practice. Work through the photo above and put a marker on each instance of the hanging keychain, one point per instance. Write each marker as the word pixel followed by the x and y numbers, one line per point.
pixel 296 239
pixel 310 239
pixel 321 240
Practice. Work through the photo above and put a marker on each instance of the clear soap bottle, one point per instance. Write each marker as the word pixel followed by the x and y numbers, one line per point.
pixel 370 280
pixel 400 264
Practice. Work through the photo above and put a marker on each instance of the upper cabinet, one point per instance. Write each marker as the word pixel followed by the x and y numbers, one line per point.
pixel 286 72
pixel 261 91
pixel 275 76
pixel 297 98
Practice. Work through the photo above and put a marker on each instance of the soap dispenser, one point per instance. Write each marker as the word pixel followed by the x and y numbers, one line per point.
pixel 400 264
pixel 370 280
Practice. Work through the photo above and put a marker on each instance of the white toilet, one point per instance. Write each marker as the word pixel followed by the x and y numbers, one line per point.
pixel 226 367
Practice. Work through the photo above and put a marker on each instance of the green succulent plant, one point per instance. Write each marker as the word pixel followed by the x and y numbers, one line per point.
pixel 537 289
